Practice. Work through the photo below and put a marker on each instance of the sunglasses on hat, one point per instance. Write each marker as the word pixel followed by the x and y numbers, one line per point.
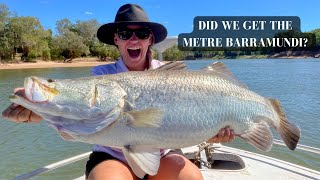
pixel 125 33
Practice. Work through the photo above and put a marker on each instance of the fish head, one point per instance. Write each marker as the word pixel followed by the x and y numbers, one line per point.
pixel 66 98
pixel 39 90
pixel 77 99
pixel 62 93
pixel 82 105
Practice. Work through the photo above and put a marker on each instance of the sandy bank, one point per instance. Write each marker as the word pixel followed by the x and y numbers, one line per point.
pixel 51 64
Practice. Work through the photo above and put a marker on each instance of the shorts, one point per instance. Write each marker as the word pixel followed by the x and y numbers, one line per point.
pixel 96 158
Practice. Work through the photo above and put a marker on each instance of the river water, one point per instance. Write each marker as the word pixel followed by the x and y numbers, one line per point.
pixel 296 83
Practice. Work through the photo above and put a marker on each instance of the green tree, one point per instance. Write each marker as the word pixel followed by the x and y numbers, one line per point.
pixel 29 36
pixel 69 45
pixel 63 25
pixel 104 51
pixel 316 32
pixel 6 36
pixel 112 52
pixel 87 30
pixel 173 54
pixel 73 40
pixel 4 16
pixel 6 44
pixel 99 49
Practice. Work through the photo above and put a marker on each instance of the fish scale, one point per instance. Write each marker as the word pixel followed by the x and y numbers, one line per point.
pixel 185 117
pixel 143 112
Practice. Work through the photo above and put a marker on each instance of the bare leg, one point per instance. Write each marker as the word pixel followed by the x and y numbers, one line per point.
pixel 111 169
pixel 177 167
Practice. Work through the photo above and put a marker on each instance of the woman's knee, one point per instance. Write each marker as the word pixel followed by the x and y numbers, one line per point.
pixel 111 169
pixel 175 166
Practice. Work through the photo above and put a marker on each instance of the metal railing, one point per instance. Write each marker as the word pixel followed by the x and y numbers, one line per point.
pixel 300 147
pixel 53 166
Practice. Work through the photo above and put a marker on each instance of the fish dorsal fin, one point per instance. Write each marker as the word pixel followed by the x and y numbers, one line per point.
pixel 220 69
pixel 174 65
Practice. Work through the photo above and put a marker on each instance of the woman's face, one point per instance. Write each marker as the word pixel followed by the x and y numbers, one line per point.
pixel 133 49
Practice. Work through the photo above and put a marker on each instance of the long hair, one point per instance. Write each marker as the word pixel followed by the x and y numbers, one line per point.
pixel 149 55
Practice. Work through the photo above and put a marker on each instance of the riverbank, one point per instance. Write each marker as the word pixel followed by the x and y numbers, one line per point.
pixel 80 62
pixel 90 62
pixel 303 54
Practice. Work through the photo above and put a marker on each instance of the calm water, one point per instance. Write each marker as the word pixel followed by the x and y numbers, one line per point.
pixel 296 83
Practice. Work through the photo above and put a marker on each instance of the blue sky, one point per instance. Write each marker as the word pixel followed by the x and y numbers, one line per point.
pixel 177 16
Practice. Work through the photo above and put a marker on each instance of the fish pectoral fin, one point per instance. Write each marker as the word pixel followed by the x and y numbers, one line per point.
pixel 66 136
pixel 259 136
pixel 218 68
pixel 150 117
pixel 174 65
pixel 142 160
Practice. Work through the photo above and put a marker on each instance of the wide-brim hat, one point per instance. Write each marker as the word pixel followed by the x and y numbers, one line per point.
pixel 130 14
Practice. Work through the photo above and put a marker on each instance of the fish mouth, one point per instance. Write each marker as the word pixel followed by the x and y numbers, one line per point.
pixel 38 90
pixel 134 52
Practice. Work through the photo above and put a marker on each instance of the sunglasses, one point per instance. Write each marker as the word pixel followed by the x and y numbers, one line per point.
pixel 125 34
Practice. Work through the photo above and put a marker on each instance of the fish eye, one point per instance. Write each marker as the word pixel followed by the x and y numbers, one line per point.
pixel 50 80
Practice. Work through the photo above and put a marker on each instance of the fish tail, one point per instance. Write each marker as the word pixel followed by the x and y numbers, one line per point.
pixel 289 132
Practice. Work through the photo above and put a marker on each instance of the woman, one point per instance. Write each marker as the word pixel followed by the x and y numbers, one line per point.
pixel 133 34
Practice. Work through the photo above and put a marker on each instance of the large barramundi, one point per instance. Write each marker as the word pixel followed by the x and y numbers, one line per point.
pixel 143 112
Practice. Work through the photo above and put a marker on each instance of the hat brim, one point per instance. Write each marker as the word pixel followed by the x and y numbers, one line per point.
pixel 106 32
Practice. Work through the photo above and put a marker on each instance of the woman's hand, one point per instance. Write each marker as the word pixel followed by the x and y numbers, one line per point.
pixel 20 114
pixel 224 135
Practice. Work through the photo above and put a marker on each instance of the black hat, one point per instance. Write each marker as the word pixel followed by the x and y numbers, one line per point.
pixel 130 14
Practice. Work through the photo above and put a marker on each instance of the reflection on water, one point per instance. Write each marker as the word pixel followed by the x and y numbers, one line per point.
pixel 24 147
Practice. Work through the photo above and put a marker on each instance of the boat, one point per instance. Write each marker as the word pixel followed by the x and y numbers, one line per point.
pixel 216 161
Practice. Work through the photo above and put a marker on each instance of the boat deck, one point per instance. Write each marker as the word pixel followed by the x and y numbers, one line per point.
pixel 257 166
pixel 232 163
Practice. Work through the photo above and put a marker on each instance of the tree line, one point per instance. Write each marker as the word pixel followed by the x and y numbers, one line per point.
pixel 24 38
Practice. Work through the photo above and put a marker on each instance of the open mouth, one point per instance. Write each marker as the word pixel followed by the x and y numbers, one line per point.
pixel 134 52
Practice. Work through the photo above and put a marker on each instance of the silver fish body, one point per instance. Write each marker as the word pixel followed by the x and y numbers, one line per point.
pixel 195 106
pixel 142 112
